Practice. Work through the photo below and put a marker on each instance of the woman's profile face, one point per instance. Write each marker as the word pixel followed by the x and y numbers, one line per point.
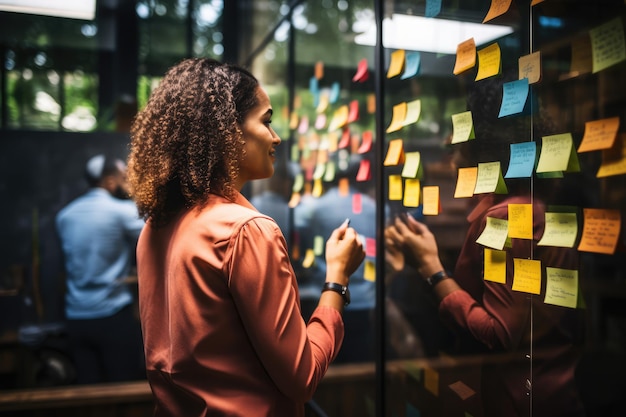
pixel 257 161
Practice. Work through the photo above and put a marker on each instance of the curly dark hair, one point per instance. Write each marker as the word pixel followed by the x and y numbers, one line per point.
pixel 187 141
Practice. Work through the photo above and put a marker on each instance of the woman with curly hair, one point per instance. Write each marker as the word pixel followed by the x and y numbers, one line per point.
pixel 218 298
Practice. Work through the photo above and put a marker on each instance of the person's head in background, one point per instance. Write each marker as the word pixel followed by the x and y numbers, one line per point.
pixel 206 129
pixel 109 173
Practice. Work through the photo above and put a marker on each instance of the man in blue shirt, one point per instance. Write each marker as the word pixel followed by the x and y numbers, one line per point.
pixel 98 233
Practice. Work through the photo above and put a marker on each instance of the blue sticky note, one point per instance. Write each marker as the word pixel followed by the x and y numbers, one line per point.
pixel 411 64
pixel 335 89
pixel 514 97
pixel 522 162
pixel 433 7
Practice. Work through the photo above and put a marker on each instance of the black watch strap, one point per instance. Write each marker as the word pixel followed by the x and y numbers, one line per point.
pixel 339 289
pixel 436 278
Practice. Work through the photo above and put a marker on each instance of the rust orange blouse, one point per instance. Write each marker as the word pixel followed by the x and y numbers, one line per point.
pixel 220 312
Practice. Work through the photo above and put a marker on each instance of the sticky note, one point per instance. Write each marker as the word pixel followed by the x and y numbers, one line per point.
pixel 362 73
pixel 561 287
pixel 395 153
pixel 607 44
pixel 495 266
pixel 398 115
pixel 466 182
pixel 309 258
pixel 558 154
pixel 370 247
pixel 432 204
pixel 489 63
pixel 412 165
pixel 495 233
pixel 369 270
pixel 527 275
pixel 330 171
pixel 489 179
pixel 294 200
pixel 462 390
pixel 601 229
pixel 320 121
pixel 335 91
pixel 340 118
pixel 433 8
pixel 319 70
pixel 462 127
pixel 530 67
pixel 294 121
pixel 396 66
pixel 412 65
pixel 413 110
pixel 366 142
pixel 318 245
pixel 364 173
pixel 498 8
pixel 395 187
pixel 514 97
pixel 353 113
pixel 465 56
pixel 431 381
pixel 318 187
pixel 324 101
pixel 411 193
pixel 614 159
pixel 345 139
pixel 599 134
pixel 314 87
pixel 561 230
pixel 522 161
pixel 344 187
pixel 520 221
pixel 298 182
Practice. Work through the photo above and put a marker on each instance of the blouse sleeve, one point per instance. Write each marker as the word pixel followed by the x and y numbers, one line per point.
pixel 264 289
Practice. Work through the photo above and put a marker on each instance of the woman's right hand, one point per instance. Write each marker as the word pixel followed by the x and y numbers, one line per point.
pixel 344 254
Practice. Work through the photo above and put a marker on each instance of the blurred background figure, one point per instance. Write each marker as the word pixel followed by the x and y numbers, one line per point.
pixel 98 233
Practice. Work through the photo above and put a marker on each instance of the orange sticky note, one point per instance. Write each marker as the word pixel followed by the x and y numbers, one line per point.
pixel 293 121
pixel 431 381
pixel 294 200
pixel 432 205
pixel 309 258
pixel 344 187
pixel 362 73
pixel 366 142
pixel 395 187
pixel 530 67
pixel 395 153
pixel 495 266
pixel 465 56
pixel 521 221
pixel 601 229
pixel 411 193
pixel 364 173
pixel 614 159
pixel 319 70
pixel 599 134
pixel 527 276
pixel 489 63
pixel 498 8
pixel 396 66
pixel 398 115
pixel 371 103
pixel 466 182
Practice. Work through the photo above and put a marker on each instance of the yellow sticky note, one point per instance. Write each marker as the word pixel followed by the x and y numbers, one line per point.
pixel 561 287
pixel 530 67
pixel 395 187
pixel 412 165
pixel 396 66
pixel 521 221
pixel 398 115
pixel 318 188
pixel 601 229
pixel 298 183
pixel 413 110
pixel 329 173
pixel 309 258
pixel 495 266
pixel 324 101
pixel 465 56
pixel 431 381
pixel 293 121
pixel 561 230
pixel 340 118
pixel 466 182
pixel 607 44
pixel 489 179
pixel 495 233
pixel 432 205
pixel 558 154
pixel 489 62
pixel 411 193
pixel 614 159
pixel 498 8
pixel 599 134
pixel 319 171
pixel 527 276
pixel 369 271
pixel 395 153
pixel 318 245
pixel 462 127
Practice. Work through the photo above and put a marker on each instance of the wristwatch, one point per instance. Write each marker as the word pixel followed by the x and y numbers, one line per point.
pixel 339 289
pixel 436 278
